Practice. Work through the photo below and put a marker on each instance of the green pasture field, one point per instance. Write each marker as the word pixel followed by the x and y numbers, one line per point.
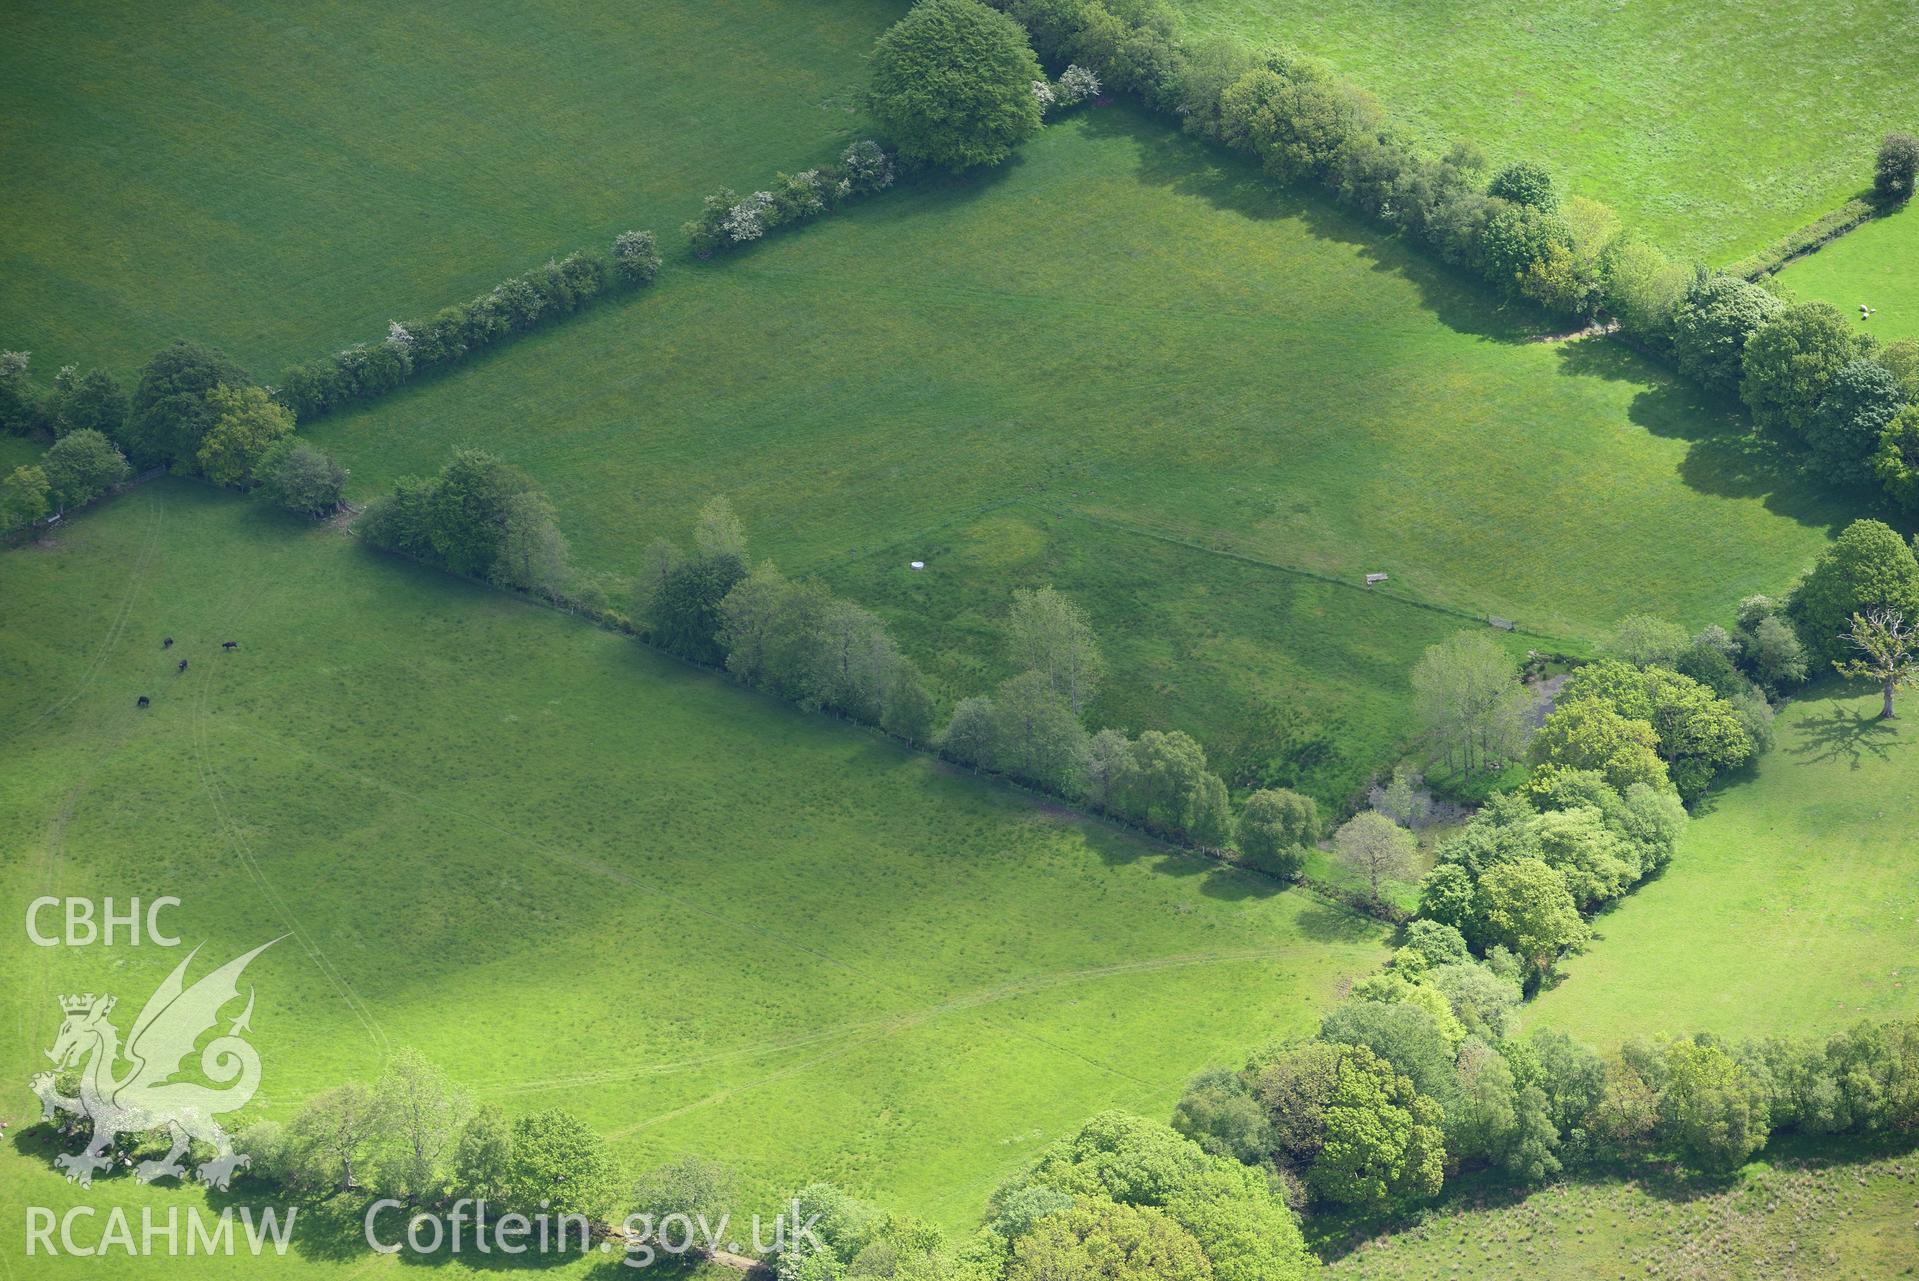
pixel 1800 1218
pixel 1229 649
pixel 281 181
pixel 1877 265
pixel 1714 126
pixel 573 873
pixel 1790 908
pixel 1154 357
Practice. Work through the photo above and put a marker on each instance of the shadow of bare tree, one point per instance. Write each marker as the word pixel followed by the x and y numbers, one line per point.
pixel 1846 733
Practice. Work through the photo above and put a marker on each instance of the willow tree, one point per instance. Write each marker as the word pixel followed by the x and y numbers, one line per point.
pixel 1467 693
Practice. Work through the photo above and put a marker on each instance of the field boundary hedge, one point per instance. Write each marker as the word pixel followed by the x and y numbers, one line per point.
pixel 1301 121
pixel 21 535
pixel 517 305
pixel 1809 239
pixel 613 620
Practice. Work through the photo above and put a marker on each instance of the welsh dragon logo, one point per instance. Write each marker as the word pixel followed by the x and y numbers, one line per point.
pixel 145 1098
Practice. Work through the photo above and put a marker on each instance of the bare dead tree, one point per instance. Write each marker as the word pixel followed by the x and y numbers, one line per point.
pixel 1888 652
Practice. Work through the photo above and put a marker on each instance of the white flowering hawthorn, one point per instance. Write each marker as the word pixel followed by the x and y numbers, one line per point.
pixel 747 220
pixel 1076 85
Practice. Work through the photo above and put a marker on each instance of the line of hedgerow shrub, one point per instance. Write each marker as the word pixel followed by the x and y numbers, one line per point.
pixel 1422 1075
pixel 729 220
pixel 195 409
pixel 1840 404
pixel 515 306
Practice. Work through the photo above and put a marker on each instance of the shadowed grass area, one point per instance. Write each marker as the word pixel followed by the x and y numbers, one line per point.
pixel 282 181
pixel 1714 126
pixel 575 874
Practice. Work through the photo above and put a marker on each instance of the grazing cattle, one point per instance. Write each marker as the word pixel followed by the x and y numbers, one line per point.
pixel 229 644
pixel 183 665
pixel 167 643
pixel 142 702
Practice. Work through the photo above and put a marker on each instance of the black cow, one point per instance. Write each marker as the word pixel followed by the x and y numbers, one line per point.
pixel 183 665
pixel 167 643
pixel 229 644
pixel 142 702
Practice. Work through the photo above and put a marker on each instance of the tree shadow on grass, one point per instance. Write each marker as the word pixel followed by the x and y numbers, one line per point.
pixel 1727 458
pixel 1323 922
pixel 1232 183
pixel 1845 733
pixel 1231 884
pixel 929 191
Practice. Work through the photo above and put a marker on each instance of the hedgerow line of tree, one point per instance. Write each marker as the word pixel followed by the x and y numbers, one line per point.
pixel 413 1138
pixel 1678 719
pixel 193 411
pixel 480 518
pixel 728 221
pixel 958 91
pixel 515 306
pixel 1843 402
pixel 1823 230
pixel 1415 1078
pixel 1418 1077
pixel 902 66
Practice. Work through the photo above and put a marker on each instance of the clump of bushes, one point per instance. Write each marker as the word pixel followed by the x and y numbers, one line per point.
pixel 1030 729
pixel 302 479
pixel 729 220
pixel 1867 568
pixel 477 517
pixel 25 496
pixel 248 425
pixel 1125 1188
pixel 22 403
pixel 795 640
pixel 1816 386
pixel 514 306
pixel 192 408
pixel 81 466
pixel 173 406
pixel 75 470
